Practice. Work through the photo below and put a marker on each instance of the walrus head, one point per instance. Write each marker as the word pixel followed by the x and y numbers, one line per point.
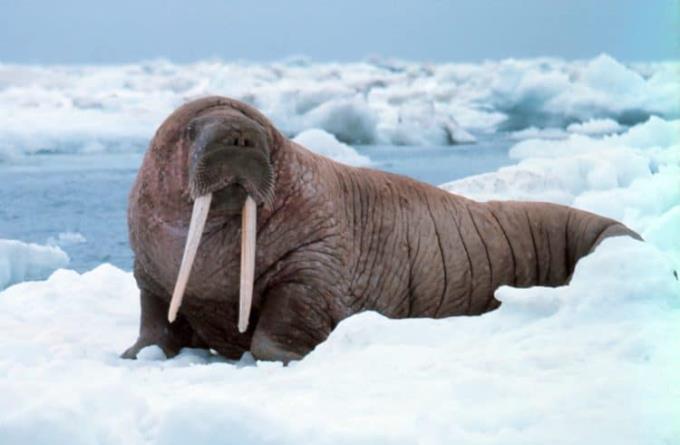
pixel 230 158
pixel 230 171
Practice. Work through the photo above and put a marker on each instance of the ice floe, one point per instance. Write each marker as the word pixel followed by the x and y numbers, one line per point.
pixel 117 107
pixel 326 144
pixel 27 261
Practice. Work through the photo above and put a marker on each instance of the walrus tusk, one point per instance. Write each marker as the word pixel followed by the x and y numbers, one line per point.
pixel 198 218
pixel 248 233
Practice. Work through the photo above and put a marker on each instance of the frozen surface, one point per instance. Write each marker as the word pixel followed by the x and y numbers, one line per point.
pixel 26 261
pixel 593 362
pixel 90 109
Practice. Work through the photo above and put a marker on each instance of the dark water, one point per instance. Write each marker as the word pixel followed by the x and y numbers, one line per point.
pixel 44 195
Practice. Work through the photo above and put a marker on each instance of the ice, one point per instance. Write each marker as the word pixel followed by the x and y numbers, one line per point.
pixel 595 127
pixel 592 362
pixel 23 261
pixel 326 144
pixel 540 133
pixel 351 121
pixel 85 109
pixel 422 124
pixel 633 176
pixel 66 239
pixel 557 93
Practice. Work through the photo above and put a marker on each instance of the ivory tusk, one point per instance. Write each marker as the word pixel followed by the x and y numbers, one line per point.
pixel 198 217
pixel 248 235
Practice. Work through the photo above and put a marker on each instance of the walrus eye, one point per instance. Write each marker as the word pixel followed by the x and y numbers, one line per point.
pixel 190 131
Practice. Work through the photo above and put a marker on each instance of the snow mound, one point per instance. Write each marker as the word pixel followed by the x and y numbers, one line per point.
pixel 23 262
pixel 592 362
pixel 324 143
pixel 84 109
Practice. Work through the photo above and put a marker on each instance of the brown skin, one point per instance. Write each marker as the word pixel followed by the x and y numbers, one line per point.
pixel 332 240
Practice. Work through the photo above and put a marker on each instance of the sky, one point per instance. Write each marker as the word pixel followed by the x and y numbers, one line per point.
pixel 88 31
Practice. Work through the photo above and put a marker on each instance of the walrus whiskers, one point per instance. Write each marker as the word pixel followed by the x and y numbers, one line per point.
pixel 248 234
pixel 198 218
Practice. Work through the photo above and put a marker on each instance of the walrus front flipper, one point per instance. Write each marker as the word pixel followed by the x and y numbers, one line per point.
pixel 154 328
pixel 292 322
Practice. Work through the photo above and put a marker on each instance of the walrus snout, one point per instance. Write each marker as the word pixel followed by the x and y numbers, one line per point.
pixel 230 158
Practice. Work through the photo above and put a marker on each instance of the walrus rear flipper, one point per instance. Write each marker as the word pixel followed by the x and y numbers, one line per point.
pixel 615 229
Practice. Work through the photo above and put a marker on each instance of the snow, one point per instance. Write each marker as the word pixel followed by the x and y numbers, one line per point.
pixel 593 362
pixel 324 143
pixel 85 109
pixel 23 261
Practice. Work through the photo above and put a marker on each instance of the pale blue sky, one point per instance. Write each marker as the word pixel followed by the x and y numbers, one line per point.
pixel 88 31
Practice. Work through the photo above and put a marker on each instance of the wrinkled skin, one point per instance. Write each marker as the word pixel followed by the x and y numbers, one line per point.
pixel 332 240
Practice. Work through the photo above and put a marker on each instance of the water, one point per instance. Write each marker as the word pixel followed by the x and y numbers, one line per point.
pixel 44 195
pixel 437 165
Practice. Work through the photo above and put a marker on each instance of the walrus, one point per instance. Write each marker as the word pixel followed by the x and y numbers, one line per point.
pixel 244 240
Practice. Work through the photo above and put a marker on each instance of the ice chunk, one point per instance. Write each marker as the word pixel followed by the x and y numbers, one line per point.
pixel 324 143
pixel 23 261
pixel 418 123
pixel 595 127
pixel 351 121
pixel 66 239
pixel 539 133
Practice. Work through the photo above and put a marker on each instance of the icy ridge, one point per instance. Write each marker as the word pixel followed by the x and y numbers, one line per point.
pixel 116 108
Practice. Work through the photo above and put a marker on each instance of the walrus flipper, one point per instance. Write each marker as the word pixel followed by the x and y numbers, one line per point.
pixel 154 328
pixel 293 321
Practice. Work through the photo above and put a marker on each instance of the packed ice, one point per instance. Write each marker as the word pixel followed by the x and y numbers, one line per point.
pixel 116 108
pixel 594 361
